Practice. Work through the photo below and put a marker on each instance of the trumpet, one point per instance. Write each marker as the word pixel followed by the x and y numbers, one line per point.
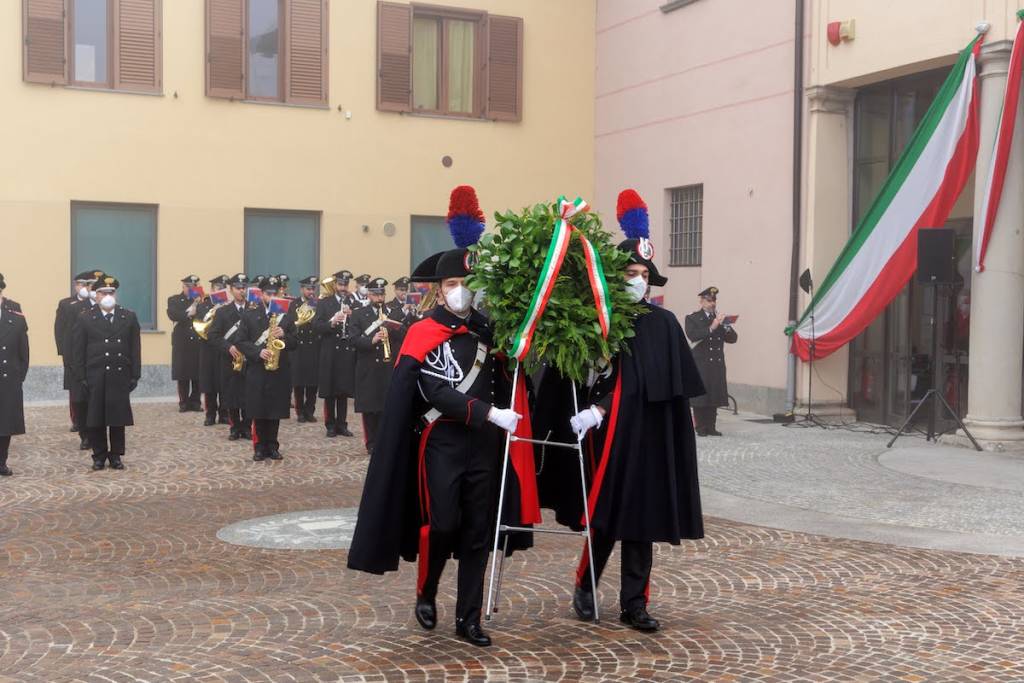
pixel 275 346
pixel 386 341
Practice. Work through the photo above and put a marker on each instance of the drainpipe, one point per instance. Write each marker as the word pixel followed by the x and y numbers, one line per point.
pixel 798 152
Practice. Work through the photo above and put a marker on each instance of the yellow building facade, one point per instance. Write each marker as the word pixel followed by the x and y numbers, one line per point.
pixel 204 167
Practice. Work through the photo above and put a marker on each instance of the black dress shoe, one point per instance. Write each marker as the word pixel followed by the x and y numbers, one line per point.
pixel 209 421
pixel 196 407
pixel 311 418
pixel 115 462
pixel 702 432
pixel 182 408
pixel 639 619
pixel 5 471
pixel 99 462
pixel 73 428
pixel 259 456
pixel 275 455
pixel 83 444
pixel 714 432
pixel 426 614
pixel 472 633
pixel 344 432
pixel 234 436
pixel 300 417
pixel 331 432
pixel 583 604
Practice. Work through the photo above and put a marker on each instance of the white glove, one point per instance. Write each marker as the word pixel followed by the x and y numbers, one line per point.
pixel 585 420
pixel 506 418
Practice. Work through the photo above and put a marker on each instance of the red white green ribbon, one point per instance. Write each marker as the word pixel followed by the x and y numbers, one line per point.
pixel 557 250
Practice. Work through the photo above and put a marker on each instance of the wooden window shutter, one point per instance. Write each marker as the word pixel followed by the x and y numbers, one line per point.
pixel 137 56
pixel 307 46
pixel 394 57
pixel 225 48
pixel 504 68
pixel 45 42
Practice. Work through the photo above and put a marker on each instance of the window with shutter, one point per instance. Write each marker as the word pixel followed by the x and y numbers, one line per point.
pixel 44 28
pixel 504 68
pixel 307 54
pixel 394 57
pixel 225 48
pixel 138 37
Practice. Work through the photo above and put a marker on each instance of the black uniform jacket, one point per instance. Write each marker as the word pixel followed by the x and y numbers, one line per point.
pixel 305 360
pixel 709 353
pixel 268 393
pixel 337 370
pixel 373 372
pixel 62 324
pixel 13 369
pixel 209 355
pixel 391 510
pixel 225 333
pixel 184 340
pixel 642 461
pixel 108 360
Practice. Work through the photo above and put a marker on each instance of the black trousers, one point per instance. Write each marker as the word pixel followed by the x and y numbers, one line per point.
pixel 705 419
pixel 100 443
pixel 371 423
pixel 188 393
pixel 211 401
pixel 461 472
pixel 5 445
pixel 264 435
pixel 240 423
pixel 305 401
pixel 637 558
pixel 79 409
pixel 336 411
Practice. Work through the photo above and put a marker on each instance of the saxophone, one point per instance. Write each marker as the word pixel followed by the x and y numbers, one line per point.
pixel 386 341
pixel 275 346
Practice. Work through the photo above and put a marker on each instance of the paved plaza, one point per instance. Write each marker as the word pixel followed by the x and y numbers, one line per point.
pixel 827 558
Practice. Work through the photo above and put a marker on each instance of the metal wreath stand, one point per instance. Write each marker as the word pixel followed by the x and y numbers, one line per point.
pixel 498 565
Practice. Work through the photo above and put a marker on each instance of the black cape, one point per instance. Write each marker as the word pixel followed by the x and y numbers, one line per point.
pixel 642 462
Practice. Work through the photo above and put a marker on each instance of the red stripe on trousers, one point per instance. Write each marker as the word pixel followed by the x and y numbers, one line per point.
pixel 423 566
pixel 581 569
pixel 252 429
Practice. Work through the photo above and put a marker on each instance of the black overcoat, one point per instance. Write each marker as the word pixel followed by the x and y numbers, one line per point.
pixel 268 393
pixel 709 354
pixel 224 332
pixel 305 360
pixel 337 369
pixel 13 369
pixel 642 462
pixel 73 313
pixel 184 340
pixel 209 355
pixel 108 359
pixel 373 373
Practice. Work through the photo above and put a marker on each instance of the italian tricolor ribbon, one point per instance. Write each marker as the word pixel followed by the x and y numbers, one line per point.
pixel 560 238
pixel 1002 151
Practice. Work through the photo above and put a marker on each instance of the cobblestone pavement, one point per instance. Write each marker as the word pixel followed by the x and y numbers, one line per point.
pixel 120 576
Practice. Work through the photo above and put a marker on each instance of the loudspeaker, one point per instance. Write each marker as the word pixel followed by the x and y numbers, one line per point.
pixel 936 256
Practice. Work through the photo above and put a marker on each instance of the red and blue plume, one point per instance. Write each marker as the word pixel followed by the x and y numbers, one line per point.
pixel 465 219
pixel 632 214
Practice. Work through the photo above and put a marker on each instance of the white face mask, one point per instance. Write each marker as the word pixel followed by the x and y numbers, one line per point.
pixel 92 296
pixel 107 302
pixel 362 291
pixel 636 288
pixel 459 299
pixel 83 293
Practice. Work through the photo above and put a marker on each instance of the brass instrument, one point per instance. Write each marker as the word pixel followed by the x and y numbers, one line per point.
pixel 386 341
pixel 327 287
pixel 275 346
pixel 304 314
pixel 202 327
pixel 238 363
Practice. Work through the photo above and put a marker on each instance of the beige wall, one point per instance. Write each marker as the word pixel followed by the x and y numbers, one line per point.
pixel 203 161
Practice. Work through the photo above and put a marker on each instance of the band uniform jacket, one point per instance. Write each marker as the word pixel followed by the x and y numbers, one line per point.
pixel 305 359
pixel 184 340
pixel 268 393
pixel 209 355
pixel 337 370
pixel 13 369
pixel 223 334
pixel 108 358
pixel 373 372
pixel 709 353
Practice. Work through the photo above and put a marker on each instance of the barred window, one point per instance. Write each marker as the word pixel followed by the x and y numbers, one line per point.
pixel 686 225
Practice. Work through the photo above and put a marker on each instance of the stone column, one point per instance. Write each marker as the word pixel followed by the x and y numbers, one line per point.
pixel 828 205
pixel 997 295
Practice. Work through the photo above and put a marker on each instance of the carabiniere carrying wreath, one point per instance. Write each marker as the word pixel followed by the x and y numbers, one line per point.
pixel 555 259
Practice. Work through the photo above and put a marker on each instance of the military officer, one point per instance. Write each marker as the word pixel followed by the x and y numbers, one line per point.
pixel 361 295
pixel 709 332
pixel 13 369
pixel 210 358
pixel 285 281
pixel 223 332
pixel 62 323
pixel 181 309
pixel 378 331
pixel 337 369
pixel 267 389
pixel 306 357
pixel 108 362
pixel 401 303
pixel 77 392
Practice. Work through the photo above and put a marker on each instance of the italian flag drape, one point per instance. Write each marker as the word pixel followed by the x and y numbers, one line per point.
pixel 881 255
pixel 1001 153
